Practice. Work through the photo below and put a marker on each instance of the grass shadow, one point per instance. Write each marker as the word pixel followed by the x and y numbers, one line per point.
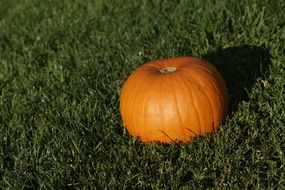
pixel 240 66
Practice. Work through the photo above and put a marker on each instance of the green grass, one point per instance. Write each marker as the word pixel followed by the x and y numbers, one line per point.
pixel 62 66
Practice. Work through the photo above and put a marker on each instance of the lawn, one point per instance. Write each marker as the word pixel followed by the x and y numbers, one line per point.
pixel 63 64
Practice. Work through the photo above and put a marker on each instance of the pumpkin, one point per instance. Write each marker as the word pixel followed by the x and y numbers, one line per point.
pixel 173 100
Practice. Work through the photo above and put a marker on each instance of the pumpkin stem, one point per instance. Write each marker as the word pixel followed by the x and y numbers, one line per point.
pixel 166 70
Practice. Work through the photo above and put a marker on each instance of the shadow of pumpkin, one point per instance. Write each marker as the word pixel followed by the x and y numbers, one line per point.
pixel 240 66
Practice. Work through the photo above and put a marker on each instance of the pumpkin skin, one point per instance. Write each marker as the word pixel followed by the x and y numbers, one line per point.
pixel 173 99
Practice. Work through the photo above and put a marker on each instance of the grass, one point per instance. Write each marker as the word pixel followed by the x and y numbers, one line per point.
pixel 63 63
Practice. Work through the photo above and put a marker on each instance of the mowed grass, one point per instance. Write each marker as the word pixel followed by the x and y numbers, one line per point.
pixel 63 63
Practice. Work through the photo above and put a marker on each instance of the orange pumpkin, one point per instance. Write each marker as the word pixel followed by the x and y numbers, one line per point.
pixel 173 100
